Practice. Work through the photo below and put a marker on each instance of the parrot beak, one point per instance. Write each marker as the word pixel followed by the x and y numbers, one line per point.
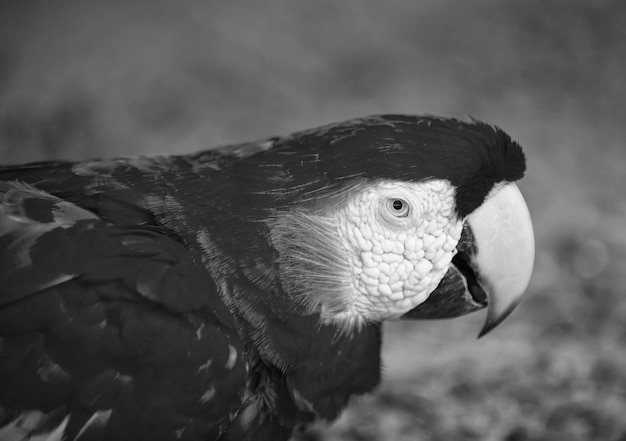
pixel 493 264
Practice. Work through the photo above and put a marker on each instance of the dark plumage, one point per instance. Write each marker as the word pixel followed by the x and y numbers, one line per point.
pixel 154 297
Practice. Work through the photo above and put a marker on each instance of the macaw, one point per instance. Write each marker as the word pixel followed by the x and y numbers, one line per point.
pixel 239 292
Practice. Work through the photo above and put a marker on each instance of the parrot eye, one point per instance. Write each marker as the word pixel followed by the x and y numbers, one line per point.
pixel 398 207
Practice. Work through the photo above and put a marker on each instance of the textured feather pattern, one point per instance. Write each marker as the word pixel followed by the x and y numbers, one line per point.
pixel 109 332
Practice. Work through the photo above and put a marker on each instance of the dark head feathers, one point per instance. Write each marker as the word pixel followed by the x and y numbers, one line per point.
pixel 319 163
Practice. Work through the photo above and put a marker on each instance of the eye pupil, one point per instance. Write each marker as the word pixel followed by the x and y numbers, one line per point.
pixel 397 207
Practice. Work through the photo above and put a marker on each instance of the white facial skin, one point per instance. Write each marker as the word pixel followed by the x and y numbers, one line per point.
pixel 372 256
pixel 400 238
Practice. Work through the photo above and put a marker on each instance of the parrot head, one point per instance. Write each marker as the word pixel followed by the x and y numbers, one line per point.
pixel 394 217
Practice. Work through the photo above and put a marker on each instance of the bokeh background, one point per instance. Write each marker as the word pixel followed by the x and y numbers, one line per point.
pixel 80 79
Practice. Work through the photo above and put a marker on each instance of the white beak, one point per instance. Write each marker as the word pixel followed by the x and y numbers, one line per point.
pixel 505 254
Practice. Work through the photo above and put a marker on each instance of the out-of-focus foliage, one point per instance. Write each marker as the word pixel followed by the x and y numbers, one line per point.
pixel 81 79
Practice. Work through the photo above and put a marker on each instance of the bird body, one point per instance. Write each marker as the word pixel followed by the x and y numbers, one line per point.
pixel 238 293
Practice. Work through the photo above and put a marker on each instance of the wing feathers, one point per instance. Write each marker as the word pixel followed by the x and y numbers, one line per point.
pixel 116 325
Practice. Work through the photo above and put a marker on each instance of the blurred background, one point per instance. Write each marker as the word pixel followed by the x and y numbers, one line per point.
pixel 83 79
